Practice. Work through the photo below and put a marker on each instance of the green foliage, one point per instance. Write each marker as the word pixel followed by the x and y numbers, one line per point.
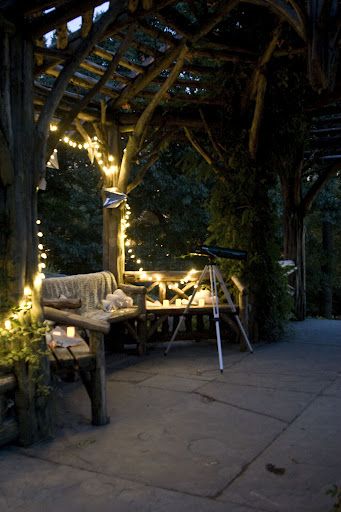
pixel 335 492
pixel 243 216
pixel 326 208
pixel 71 213
pixel 169 218
pixel 24 342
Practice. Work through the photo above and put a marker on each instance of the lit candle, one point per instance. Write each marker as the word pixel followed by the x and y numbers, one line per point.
pixel 201 303
pixel 70 332
pixel 165 303
pixel 178 303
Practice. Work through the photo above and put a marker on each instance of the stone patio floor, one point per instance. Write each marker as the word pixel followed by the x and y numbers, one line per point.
pixel 263 436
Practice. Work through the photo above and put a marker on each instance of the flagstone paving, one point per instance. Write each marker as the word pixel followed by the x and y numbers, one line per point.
pixel 263 436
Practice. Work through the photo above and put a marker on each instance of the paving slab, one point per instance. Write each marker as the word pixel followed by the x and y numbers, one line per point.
pixel 309 454
pixel 263 436
pixel 175 440
pixel 32 485
pixel 277 403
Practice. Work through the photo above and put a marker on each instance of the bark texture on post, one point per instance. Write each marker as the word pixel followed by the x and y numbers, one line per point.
pixel 20 157
pixel 294 249
pixel 113 242
pixel 327 269
pixel 18 197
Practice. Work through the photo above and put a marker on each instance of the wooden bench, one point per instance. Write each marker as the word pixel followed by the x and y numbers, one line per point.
pixel 88 358
pixel 171 286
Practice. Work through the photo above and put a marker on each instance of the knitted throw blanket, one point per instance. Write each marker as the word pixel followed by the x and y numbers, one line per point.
pixel 90 288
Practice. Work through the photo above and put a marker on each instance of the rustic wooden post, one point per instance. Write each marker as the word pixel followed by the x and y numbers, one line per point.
pixel 20 165
pixel 98 381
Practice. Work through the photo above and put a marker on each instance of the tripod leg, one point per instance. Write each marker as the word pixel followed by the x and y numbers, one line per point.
pixel 233 308
pixel 215 305
pixel 183 316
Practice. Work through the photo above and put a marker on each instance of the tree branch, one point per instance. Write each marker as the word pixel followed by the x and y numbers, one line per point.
pixel 143 80
pixel 202 152
pixel 257 116
pixel 66 122
pixel 151 161
pixel 209 132
pixel 135 139
pixel 66 12
pixel 71 65
pixel 318 185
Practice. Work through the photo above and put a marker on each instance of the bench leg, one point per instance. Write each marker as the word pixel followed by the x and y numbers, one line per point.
pixel 98 381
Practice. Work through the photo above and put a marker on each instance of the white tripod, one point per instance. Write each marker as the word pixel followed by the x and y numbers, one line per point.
pixel 214 274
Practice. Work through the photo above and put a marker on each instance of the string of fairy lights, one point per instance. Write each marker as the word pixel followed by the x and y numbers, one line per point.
pixel 108 166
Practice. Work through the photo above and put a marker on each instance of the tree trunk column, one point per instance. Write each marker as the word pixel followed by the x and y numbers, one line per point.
pixel 327 269
pixel 294 249
pixel 18 197
pixel 113 242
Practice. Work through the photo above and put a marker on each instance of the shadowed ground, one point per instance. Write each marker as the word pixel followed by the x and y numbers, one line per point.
pixel 263 436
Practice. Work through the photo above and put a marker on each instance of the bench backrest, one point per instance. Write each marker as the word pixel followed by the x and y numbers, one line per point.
pixel 90 288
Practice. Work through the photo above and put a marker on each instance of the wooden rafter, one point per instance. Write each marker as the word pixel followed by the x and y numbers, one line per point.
pixel 68 119
pixel 66 12
pixel 142 81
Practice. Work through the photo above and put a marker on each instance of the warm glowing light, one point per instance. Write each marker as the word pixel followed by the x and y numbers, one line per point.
pixel 38 221
pixel 40 234
pixel 111 158
pixel 27 291
pixel 80 146
pixel 42 265
pixel 128 242
pixel 70 332
pixel 141 269
pixel 43 255
pixel 130 250
pixel 37 281
pixel 42 275
pixel 138 261
pixel 66 139
pixel 40 247
pixel 8 324
pixel 53 127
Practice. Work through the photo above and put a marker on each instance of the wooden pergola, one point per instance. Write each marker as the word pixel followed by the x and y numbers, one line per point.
pixel 127 82
pixel 131 79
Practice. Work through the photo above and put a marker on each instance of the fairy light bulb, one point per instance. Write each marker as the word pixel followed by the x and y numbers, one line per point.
pixel 37 281
pixel 8 325
pixel 40 234
pixel 38 221
pixel 43 255
pixel 27 291
pixel 40 247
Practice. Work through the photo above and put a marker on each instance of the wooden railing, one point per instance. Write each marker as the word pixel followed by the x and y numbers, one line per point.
pixel 164 286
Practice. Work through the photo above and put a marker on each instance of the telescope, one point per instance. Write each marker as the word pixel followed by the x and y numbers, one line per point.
pixel 214 251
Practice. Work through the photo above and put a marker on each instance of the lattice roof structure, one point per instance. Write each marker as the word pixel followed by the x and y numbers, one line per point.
pixel 129 78
pixel 118 62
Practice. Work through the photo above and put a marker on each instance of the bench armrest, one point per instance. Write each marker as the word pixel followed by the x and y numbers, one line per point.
pixel 137 293
pixel 67 318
